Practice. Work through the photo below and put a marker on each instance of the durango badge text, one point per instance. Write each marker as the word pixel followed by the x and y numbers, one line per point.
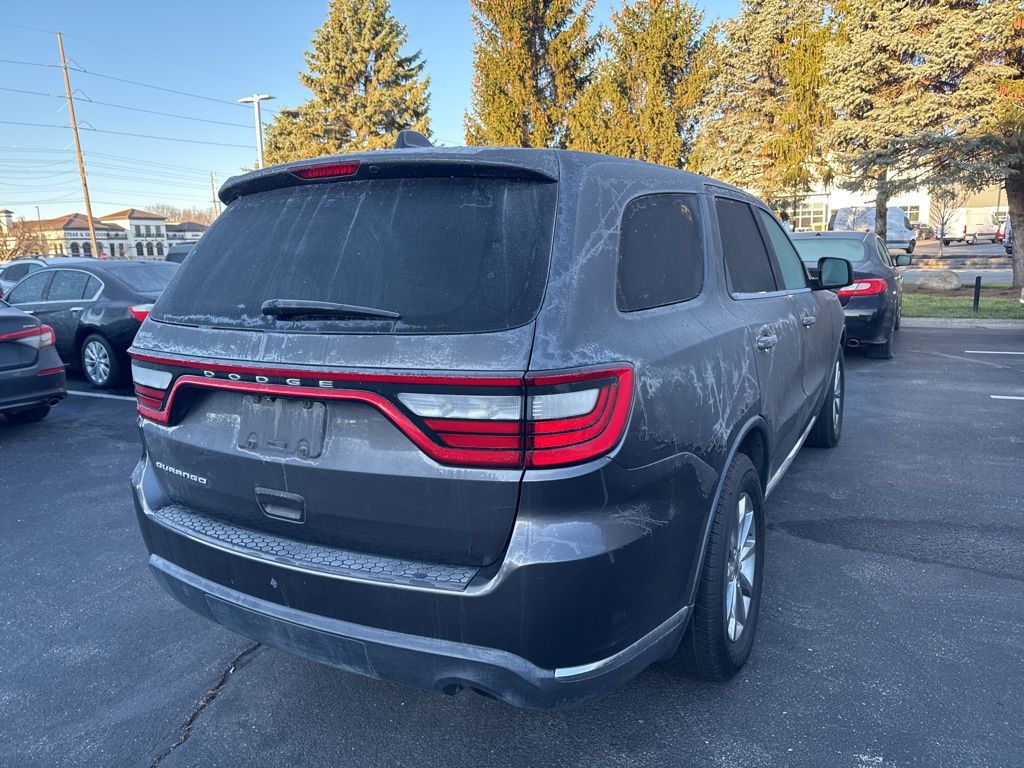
pixel 441 462
pixel 181 473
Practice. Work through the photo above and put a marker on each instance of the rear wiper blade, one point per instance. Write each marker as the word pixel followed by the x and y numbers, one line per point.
pixel 302 308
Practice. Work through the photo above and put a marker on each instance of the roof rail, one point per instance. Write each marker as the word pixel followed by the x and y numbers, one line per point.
pixel 407 139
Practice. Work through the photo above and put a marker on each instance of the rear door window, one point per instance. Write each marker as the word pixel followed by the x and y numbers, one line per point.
pixel 661 254
pixel 450 255
pixel 746 258
pixel 67 285
pixel 146 278
pixel 793 275
pixel 31 289
pixel 15 272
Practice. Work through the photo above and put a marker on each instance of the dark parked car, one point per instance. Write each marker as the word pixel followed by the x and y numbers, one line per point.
pixel 14 271
pixel 95 307
pixel 32 377
pixel 873 303
pixel 496 419
pixel 179 251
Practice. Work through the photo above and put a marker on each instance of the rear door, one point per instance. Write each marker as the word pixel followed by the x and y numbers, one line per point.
pixel 65 301
pixel 362 431
pixel 29 294
pixel 763 305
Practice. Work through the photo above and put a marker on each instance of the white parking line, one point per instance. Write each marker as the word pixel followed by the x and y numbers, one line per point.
pixel 989 352
pixel 101 395
pixel 1007 397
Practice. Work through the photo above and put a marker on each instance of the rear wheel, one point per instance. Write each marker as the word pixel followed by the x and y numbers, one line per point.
pixel 828 427
pixel 972 240
pixel 721 633
pixel 910 248
pixel 945 243
pixel 100 363
pixel 29 415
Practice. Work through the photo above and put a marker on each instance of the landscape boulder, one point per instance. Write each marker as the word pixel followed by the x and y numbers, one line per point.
pixel 944 280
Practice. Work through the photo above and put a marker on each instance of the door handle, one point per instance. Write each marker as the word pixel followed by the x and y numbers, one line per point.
pixel 77 309
pixel 808 320
pixel 767 340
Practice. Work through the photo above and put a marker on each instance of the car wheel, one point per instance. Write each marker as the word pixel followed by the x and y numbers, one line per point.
pixel 972 240
pixel 828 427
pixel 910 248
pixel 100 363
pixel 899 315
pixel 718 640
pixel 29 415
pixel 945 243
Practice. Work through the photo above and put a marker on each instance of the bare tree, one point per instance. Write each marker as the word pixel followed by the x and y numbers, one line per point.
pixel 19 240
pixel 174 213
pixel 946 201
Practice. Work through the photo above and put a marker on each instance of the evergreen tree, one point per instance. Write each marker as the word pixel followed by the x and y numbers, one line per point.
pixel 641 100
pixel 531 60
pixel 762 119
pixel 900 77
pixel 364 89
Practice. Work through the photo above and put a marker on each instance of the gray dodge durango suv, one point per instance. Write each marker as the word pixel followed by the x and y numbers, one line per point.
pixel 498 419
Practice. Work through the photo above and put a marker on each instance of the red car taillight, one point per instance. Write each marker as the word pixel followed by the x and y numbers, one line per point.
pixel 869 286
pixel 544 420
pixel 140 311
pixel 38 337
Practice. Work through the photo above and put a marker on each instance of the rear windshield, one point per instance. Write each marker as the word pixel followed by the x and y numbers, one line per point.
pixel 146 278
pixel 813 248
pixel 463 255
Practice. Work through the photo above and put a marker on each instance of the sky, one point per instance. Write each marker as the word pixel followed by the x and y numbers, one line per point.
pixel 158 137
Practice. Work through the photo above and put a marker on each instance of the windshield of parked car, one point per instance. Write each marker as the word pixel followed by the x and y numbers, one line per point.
pixel 462 255
pixel 146 278
pixel 813 248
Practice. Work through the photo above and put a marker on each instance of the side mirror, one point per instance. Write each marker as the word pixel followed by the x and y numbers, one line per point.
pixel 904 260
pixel 834 273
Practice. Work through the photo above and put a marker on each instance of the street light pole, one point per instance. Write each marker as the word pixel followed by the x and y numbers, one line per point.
pixel 255 100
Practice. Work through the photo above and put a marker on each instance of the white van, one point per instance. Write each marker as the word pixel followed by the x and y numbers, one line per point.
pixel 968 225
pixel 899 232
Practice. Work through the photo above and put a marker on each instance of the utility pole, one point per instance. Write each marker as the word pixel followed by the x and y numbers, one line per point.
pixel 78 147
pixel 255 100
pixel 39 231
pixel 213 196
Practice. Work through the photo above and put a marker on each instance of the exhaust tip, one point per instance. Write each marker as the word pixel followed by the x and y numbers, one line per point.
pixel 53 401
pixel 854 343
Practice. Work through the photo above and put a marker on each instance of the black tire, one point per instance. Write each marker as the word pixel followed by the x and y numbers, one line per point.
pixel 882 351
pixel 828 427
pixel 899 315
pixel 945 243
pixel 910 248
pixel 708 650
pixel 99 375
pixel 29 415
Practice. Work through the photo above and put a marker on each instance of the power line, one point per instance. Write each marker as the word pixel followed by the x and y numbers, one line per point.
pixel 122 158
pixel 127 133
pixel 161 113
pixel 146 54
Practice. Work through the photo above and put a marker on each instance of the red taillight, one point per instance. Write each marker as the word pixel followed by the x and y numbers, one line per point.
pixel 325 170
pixel 140 311
pixel 544 420
pixel 40 336
pixel 868 286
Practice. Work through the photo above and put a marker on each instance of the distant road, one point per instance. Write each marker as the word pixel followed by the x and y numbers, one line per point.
pixel 966 275
pixel 930 248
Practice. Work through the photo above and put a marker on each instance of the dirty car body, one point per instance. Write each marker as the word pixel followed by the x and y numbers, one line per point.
pixel 510 486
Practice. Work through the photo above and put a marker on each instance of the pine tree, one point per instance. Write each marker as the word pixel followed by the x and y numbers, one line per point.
pixel 641 101
pixel 531 60
pixel 906 111
pixel 762 120
pixel 364 89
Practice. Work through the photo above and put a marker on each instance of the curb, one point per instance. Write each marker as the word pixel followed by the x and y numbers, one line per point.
pixel 958 322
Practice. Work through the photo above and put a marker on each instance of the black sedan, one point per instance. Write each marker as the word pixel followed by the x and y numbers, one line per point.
pixel 32 375
pixel 95 307
pixel 873 303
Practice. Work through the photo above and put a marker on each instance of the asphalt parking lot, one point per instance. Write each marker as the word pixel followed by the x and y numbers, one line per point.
pixel 892 632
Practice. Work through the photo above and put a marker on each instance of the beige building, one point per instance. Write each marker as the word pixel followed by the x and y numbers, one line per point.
pixel 131 233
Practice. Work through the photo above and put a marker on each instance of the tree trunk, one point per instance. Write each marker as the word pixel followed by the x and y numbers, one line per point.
pixel 882 206
pixel 1015 206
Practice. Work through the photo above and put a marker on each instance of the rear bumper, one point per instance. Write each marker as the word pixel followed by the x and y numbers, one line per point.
pixel 430 663
pixel 574 609
pixel 27 388
pixel 869 319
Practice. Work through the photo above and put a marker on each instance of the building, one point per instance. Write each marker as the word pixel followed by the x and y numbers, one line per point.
pixel 185 230
pixel 131 233
pixel 146 232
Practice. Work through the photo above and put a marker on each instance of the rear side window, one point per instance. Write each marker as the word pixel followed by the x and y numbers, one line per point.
pixel 15 272
pixel 30 289
pixel 450 255
pixel 793 274
pixel 67 285
pixel 661 255
pixel 746 257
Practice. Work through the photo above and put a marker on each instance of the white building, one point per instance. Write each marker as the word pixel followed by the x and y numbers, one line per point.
pixel 146 232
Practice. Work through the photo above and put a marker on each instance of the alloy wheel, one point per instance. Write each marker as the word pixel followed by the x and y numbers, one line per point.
pixel 741 568
pixel 97 362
